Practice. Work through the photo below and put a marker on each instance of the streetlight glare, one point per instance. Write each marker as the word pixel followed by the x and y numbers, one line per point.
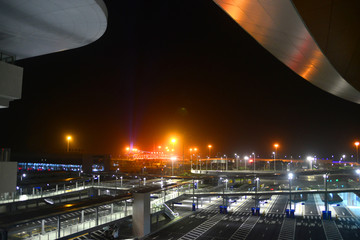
pixel 173 140
pixel 68 137
pixel 209 146
pixel 356 143
pixel 276 145
pixel 290 175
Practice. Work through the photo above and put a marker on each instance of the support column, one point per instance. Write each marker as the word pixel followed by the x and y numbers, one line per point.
pixel 76 185
pixel 112 208
pixel 82 219
pixel 42 226
pixel 57 188
pixel 141 214
pixel 3 234
pixel 58 226
pixel 97 216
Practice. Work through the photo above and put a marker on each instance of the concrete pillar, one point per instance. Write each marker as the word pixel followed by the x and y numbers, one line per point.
pixel 58 226
pixel 42 226
pixel 57 188
pixel 99 180
pixel 76 185
pixel 141 214
pixel 97 216
pixel 125 208
pixel 84 184
pixel 33 191
pixel 112 208
pixel 3 234
pixel 82 219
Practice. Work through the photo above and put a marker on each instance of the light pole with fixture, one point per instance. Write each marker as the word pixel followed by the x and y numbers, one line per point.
pixel 290 177
pixel 357 151
pixel 68 138
pixel 245 159
pixel 310 159
pixel 276 147
pixel 326 176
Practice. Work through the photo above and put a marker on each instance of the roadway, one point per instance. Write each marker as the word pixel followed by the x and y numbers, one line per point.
pixel 208 223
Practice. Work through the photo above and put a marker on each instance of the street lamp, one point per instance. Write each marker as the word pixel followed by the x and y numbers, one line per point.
pixel 172 165
pixel 254 162
pixel 326 175
pixel 310 159
pixel 190 159
pixel 245 159
pixel 357 151
pixel 173 141
pixel 358 172
pixel 68 138
pixel 276 147
pixel 290 177
pixel 209 146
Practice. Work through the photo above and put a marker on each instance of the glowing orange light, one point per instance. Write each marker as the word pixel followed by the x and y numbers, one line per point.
pixel 68 138
pixel 173 140
pixel 356 143
pixel 127 149
pixel 159 147
pixel 276 145
pixel 195 149
pixel 209 146
pixel 191 149
pixel 68 205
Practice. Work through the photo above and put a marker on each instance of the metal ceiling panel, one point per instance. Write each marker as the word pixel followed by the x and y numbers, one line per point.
pixel 278 27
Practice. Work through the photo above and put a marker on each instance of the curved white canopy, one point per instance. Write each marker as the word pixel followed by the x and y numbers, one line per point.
pixel 31 28
pixel 278 27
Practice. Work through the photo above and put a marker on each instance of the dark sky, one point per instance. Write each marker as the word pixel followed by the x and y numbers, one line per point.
pixel 180 67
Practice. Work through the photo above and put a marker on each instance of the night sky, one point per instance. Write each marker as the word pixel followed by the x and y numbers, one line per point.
pixel 167 68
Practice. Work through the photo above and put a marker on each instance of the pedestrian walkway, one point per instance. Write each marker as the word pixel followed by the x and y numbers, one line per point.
pixel 287 230
pixel 243 231
pixel 331 230
pixel 202 228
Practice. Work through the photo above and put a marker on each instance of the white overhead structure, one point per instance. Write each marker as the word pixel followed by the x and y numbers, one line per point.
pixel 30 28
pixel 278 27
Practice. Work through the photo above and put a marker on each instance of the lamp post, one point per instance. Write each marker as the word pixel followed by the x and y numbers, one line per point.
pixel 190 159
pixel 310 159
pixel 172 165
pixel 326 175
pixel 254 162
pixel 257 180
pixel 209 146
pixel 68 138
pixel 357 151
pixel 245 159
pixel 290 177
pixel 276 147
pixel 173 141
pixel 358 173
